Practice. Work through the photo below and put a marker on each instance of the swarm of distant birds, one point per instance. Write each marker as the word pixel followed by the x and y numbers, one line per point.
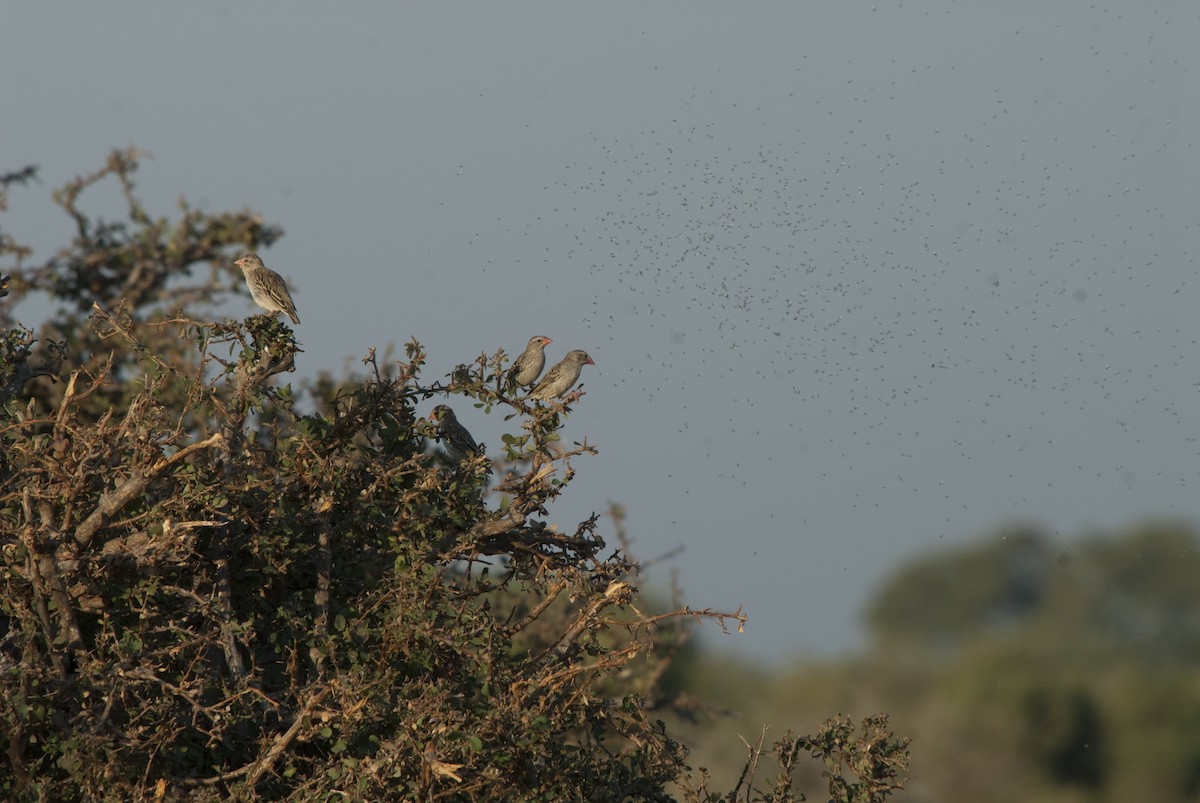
pixel 269 291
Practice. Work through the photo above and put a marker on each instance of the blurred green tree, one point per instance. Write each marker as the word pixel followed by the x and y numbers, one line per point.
pixel 1059 669
pixel 1139 591
pixel 958 595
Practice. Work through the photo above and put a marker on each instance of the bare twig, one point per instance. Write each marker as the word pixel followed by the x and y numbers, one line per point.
pixel 265 764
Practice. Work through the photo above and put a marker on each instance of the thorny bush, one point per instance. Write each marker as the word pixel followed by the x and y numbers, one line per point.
pixel 209 593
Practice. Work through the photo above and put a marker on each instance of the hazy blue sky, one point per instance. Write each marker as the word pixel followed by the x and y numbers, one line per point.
pixel 859 280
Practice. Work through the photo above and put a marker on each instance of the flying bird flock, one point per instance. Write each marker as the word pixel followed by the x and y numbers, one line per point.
pixel 269 291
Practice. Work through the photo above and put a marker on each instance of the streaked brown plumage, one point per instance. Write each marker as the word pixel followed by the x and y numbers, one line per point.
pixel 267 287
pixel 528 366
pixel 453 436
pixel 562 377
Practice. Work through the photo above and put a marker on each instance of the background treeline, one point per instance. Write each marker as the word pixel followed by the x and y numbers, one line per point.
pixel 1024 667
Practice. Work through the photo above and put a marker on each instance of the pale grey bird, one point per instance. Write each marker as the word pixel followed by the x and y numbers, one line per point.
pixel 562 377
pixel 528 366
pixel 267 287
pixel 453 436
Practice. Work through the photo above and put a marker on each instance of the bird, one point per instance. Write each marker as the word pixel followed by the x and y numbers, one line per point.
pixel 528 366
pixel 453 436
pixel 267 287
pixel 562 377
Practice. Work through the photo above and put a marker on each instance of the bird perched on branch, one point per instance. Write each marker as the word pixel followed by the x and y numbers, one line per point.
pixel 562 377
pixel 453 436
pixel 267 287
pixel 528 366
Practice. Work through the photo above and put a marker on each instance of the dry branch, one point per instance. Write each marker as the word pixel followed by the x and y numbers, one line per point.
pixel 112 503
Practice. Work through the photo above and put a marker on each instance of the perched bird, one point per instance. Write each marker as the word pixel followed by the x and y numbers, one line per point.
pixel 453 436
pixel 562 377
pixel 4 292
pixel 267 287
pixel 528 366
